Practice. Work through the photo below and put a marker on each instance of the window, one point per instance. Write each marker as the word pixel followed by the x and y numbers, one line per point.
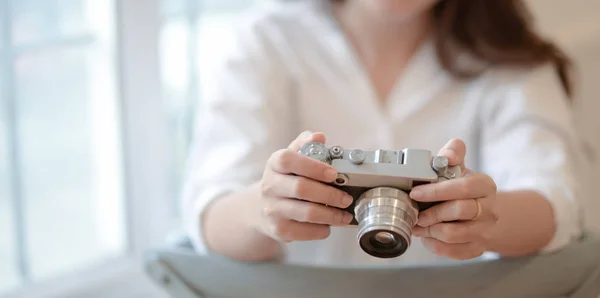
pixel 60 184
pixel 9 276
pixel 191 34
pixel 97 102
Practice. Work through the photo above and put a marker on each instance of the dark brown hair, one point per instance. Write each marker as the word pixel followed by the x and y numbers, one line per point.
pixel 499 32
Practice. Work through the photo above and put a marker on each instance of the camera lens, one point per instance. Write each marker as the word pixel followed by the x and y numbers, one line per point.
pixel 387 246
pixel 385 219
pixel 384 237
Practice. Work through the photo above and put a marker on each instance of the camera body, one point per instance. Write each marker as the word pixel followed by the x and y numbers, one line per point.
pixel 379 182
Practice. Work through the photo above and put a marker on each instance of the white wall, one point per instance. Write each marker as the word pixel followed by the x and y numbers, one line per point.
pixel 575 26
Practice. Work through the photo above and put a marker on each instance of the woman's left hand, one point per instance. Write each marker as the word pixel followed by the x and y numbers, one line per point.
pixel 459 227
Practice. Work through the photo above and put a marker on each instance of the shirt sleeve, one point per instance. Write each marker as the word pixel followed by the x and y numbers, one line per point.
pixel 529 141
pixel 244 116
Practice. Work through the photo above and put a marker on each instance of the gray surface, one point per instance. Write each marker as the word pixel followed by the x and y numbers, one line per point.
pixel 574 272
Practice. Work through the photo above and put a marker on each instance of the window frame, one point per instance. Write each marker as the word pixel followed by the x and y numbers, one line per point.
pixel 146 155
pixel 190 15
pixel 7 58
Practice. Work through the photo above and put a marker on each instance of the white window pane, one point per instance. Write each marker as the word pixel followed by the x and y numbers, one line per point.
pixel 35 20
pixel 70 159
pixel 3 37
pixel 228 6
pixel 175 46
pixel 185 51
pixel 9 279
pixel 173 7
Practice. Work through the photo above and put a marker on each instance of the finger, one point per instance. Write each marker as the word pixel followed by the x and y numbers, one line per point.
pixel 291 162
pixel 453 233
pixel 455 150
pixel 304 211
pixel 289 230
pixel 306 137
pixel 306 189
pixel 468 187
pixel 462 251
pixel 449 211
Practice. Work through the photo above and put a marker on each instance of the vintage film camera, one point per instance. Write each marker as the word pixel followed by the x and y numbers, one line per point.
pixel 380 181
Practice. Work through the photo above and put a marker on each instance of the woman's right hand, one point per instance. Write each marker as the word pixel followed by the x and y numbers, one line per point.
pixel 295 203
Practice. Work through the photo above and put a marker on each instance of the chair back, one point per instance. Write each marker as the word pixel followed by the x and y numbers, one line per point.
pixel 574 272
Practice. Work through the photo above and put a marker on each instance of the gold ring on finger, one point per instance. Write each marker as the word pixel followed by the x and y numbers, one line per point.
pixel 478 210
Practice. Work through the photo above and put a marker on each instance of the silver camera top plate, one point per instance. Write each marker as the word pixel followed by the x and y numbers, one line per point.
pixel 401 169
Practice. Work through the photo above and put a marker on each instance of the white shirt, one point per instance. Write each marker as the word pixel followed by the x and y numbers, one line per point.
pixel 290 69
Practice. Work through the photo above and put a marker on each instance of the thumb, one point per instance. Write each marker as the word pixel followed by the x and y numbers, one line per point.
pixel 306 137
pixel 455 150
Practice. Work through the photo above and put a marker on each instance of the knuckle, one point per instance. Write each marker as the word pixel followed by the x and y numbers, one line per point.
pixel 435 191
pixel 300 188
pixel 447 231
pixel 491 184
pixel 276 156
pixel 334 197
pixel 452 232
pixel 286 159
pixel 281 230
pixel 269 211
pixel 435 214
pixel 494 216
pixel 465 187
pixel 266 188
pixel 461 209
pixel 305 134
pixel 311 214
pixel 337 216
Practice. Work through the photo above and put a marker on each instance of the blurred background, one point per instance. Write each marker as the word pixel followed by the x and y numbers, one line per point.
pixel 97 100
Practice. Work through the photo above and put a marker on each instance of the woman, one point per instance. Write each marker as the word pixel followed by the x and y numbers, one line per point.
pixel 466 77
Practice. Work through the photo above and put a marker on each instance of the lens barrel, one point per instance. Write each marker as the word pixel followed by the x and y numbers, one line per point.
pixel 385 218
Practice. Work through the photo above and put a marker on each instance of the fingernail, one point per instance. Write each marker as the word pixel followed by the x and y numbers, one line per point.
pixel 348 218
pixel 450 153
pixel 416 194
pixel 417 232
pixel 330 174
pixel 347 200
